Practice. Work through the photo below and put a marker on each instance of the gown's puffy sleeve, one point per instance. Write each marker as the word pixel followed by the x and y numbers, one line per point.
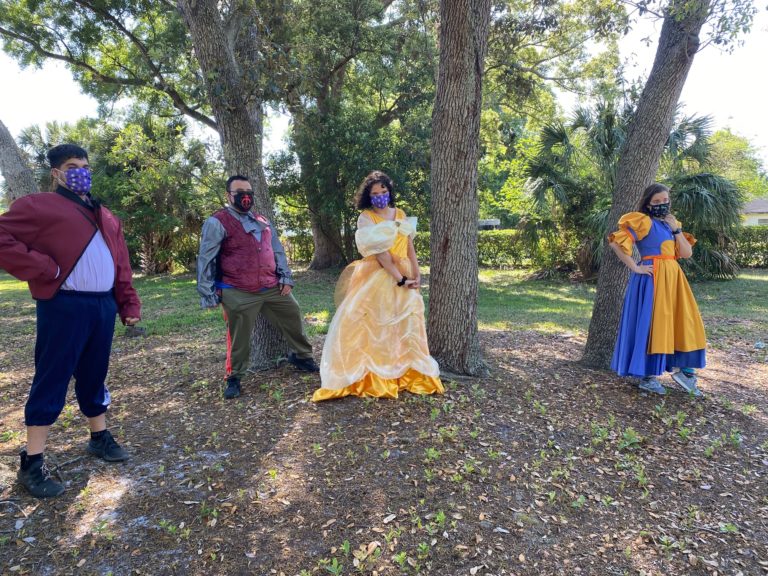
pixel 376 239
pixel 633 226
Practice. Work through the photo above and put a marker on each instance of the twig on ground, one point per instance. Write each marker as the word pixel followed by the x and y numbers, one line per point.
pixel 72 461
pixel 12 503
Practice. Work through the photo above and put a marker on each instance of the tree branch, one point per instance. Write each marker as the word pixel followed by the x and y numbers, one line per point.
pixel 161 84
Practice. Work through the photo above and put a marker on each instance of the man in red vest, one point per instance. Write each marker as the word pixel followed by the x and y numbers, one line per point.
pixel 72 253
pixel 242 266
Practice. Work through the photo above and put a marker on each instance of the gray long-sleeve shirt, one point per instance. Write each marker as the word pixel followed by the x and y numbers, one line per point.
pixel 210 243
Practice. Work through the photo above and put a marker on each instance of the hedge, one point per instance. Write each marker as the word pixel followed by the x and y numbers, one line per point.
pixel 750 248
pixel 505 249
pixel 496 249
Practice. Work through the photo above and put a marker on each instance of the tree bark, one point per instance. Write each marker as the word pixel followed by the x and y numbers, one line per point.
pixel 328 244
pixel 452 322
pixel 639 161
pixel 237 106
pixel 19 178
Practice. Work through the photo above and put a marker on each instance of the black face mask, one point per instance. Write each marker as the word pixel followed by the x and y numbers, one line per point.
pixel 659 210
pixel 243 201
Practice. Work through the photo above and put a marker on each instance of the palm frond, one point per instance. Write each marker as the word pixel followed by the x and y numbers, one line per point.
pixel 582 118
pixel 689 140
pixel 710 263
pixel 555 140
pixel 707 200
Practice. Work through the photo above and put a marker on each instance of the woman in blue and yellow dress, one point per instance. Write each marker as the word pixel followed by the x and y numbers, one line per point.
pixel 377 341
pixel 661 327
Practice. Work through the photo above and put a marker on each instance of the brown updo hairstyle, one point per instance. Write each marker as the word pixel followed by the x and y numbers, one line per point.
pixel 649 193
pixel 363 196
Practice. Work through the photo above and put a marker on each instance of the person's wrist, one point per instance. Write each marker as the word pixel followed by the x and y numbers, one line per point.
pixel 402 281
pixel 677 231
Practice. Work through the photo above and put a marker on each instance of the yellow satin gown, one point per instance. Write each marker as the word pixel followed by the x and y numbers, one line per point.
pixel 377 341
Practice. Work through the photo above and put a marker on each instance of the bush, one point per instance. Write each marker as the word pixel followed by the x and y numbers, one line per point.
pixel 298 247
pixel 506 249
pixel 750 248
pixel 496 249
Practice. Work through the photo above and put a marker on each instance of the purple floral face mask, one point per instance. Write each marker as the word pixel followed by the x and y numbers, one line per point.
pixel 380 200
pixel 79 180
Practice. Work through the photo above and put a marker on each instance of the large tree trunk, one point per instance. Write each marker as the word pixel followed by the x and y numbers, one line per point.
pixel 238 111
pixel 320 188
pixel 639 161
pixel 19 179
pixel 328 245
pixel 452 322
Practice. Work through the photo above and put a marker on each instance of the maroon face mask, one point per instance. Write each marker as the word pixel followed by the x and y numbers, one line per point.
pixel 243 201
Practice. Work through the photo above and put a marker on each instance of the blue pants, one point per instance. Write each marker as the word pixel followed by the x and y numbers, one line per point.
pixel 74 338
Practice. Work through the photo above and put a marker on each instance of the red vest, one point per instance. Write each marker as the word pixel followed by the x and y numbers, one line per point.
pixel 244 263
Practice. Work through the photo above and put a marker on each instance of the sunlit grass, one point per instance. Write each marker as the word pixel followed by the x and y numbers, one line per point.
pixel 507 301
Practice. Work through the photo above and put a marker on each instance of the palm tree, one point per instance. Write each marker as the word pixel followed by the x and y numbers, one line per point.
pixel 572 174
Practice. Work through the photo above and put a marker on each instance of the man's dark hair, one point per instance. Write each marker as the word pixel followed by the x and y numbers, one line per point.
pixel 363 197
pixel 63 152
pixel 235 178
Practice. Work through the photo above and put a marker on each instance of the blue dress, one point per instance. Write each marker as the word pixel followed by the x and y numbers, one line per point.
pixel 661 327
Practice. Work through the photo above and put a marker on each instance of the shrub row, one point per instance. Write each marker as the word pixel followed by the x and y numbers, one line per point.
pixel 750 248
pixel 505 249
pixel 496 249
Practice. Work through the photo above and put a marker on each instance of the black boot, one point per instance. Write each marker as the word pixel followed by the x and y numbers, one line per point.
pixel 233 388
pixel 103 445
pixel 303 364
pixel 36 478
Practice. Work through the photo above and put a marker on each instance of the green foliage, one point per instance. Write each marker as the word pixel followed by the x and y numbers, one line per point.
pixel 532 46
pixel 495 249
pixel 115 49
pixel 750 247
pixel 707 203
pixel 359 99
pixel 735 158
pixel 164 190
pixel 157 180
pixel 726 19
pixel 572 176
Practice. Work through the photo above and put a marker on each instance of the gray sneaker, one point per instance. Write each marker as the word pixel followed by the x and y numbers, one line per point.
pixel 687 383
pixel 652 385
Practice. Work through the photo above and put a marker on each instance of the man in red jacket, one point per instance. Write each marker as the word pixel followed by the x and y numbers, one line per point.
pixel 72 253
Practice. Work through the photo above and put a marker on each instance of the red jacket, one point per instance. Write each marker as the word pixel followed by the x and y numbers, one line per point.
pixel 42 233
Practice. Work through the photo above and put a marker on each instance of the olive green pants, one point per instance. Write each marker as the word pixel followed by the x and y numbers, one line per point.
pixel 242 309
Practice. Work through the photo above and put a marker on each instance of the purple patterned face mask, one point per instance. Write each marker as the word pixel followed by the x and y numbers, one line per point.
pixel 380 200
pixel 79 180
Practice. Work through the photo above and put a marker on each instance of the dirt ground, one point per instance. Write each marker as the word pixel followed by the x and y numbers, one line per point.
pixel 544 467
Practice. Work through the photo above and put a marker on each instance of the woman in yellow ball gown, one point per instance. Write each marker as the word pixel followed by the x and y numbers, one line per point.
pixel 377 341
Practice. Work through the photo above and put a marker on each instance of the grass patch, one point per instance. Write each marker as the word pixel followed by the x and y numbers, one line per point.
pixel 506 301
pixel 735 308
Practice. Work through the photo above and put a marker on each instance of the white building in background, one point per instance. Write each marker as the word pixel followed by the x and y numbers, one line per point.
pixel 489 224
pixel 755 213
